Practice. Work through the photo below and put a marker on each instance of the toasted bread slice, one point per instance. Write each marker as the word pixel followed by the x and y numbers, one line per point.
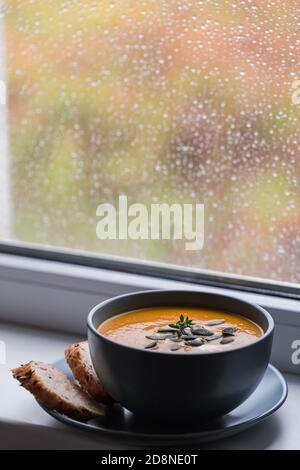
pixel 79 360
pixel 52 388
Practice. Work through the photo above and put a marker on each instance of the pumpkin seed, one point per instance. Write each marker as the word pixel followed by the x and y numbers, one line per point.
pixel 187 331
pixel 213 337
pixel 171 336
pixel 156 337
pixel 151 345
pixel 188 337
pixel 195 342
pixel 226 340
pixel 196 325
pixel 175 347
pixel 167 329
pixel 202 332
pixel 214 322
pixel 229 330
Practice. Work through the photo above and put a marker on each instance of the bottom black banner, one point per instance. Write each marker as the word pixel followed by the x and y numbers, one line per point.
pixel 136 459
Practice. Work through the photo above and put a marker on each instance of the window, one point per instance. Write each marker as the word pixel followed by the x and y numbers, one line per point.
pixel 161 101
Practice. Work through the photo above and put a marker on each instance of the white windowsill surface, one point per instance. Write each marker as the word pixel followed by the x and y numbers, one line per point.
pixel 24 425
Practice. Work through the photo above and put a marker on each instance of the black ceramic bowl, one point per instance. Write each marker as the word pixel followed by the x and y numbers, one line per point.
pixel 177 386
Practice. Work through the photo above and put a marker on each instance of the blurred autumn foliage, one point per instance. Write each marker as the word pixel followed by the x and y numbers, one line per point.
pixel 162 100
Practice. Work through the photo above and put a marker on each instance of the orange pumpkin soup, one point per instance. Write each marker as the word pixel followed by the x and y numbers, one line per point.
pixel 179 329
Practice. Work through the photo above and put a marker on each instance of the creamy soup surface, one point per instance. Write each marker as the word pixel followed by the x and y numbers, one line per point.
pixel 210 330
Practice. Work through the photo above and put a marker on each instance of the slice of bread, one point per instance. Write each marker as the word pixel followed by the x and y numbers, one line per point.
pixel 79 360
pixel 53 389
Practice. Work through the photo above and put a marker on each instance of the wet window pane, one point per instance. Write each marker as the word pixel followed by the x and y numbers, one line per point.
pixel 176 101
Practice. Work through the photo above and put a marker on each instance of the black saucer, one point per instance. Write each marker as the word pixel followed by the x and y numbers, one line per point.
pixel 120 423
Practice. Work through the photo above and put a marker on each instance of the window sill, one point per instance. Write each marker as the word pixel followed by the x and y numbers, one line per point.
pixel 24 425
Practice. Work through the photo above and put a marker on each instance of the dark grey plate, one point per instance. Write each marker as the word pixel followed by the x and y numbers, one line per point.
pixel 120 423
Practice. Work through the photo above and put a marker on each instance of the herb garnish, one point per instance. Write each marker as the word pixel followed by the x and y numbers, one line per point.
pixel 183 322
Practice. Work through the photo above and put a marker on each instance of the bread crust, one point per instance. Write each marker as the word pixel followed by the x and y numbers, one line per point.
pixel 78 358
pixel 53 389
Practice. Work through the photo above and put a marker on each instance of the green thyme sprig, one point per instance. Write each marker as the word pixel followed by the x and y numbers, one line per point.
pixel 182 323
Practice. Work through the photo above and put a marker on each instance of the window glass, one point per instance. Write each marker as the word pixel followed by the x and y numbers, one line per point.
pixel 174 101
